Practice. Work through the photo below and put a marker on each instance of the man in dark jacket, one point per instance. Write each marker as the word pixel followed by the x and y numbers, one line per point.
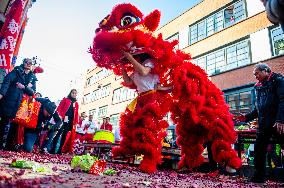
pixel 46 112
pixel 19 81
pixel 270 113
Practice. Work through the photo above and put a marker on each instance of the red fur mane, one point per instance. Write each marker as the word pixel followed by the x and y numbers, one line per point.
pixel 197 106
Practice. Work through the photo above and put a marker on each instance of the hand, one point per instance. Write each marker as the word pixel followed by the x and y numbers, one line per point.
pixel 279 127
pixel 20 86
pixel 1 96
pixel 162 88
pixel 127 55
pixel 30 85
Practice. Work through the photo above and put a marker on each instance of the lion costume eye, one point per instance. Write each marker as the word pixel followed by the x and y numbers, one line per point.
pixel 128 20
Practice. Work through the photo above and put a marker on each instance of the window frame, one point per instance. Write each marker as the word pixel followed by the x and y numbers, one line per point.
pixel 114 126
pixel 224 50
pixel 102 107
pixel 271 29
pixel 126 90
pixel 237 91
pixel 172 38
pixel 218 17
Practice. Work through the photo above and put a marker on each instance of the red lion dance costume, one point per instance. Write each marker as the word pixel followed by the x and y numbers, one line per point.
pixel 197 106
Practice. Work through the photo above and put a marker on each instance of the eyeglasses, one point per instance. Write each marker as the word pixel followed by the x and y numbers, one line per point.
pixel 29 63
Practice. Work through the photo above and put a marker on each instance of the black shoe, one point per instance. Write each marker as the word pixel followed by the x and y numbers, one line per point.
pixel 18 147
pixel 256 179
pixel 206 168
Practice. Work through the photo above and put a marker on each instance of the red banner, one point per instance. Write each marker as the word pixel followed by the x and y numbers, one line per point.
pixel 19 40
pixel 10 32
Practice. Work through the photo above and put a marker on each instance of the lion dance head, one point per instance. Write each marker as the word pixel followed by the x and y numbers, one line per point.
pixel 127 29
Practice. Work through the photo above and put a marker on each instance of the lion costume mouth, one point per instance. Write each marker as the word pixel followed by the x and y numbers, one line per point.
pixel 124 29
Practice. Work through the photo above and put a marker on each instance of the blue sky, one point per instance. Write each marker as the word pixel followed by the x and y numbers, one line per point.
pixel 59 32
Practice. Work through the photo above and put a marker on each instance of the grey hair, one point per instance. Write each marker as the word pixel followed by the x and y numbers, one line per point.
pixel 26 59
pixel 263 67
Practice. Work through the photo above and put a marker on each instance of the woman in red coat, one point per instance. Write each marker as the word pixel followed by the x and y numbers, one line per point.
pixel 68 111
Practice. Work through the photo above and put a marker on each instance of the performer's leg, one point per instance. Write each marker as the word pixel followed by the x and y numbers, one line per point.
pixel 142 131
pixel 212 163
pixel 190 140
pixel 11 138
pixel 260 151
pixel 3 124
pixel 29 140
pixel 222 135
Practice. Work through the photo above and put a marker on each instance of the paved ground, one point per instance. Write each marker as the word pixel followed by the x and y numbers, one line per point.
pixel 61 175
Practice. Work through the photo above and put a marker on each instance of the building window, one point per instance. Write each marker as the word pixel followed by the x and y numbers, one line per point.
pixel 228 58
pixel 114 121
pixel 193 34
pixel 219 20
pixel 239 11
pixel 98 76
pixel 123 94
pixel 100 93
pixel 88 82
pixel 216 22
pixel 240 101
pixel 103 74
pixel 118 77
pixel 216 62
pixel 105 90
pixel 102 112
pixel 92 112
pixel 200 62
pixel 87 98
pixel 210 25
pixel 234 13
pixel 277 38
pixel 201 30
pixel 172 38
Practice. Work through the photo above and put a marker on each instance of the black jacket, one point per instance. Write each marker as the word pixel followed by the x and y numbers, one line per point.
pixel 269 103
pixel 12 96
pixel 42 120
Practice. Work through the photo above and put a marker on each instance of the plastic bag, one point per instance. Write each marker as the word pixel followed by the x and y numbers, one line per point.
pixel 27 114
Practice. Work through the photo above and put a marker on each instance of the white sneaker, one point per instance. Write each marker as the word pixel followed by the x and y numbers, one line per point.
pixel 230 169
pixel 45 151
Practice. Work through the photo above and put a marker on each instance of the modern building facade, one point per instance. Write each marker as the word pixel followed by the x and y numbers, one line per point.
pixel 105 96
pixel 224 37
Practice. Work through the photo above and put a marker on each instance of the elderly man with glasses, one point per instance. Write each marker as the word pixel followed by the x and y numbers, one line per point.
pixel 21 80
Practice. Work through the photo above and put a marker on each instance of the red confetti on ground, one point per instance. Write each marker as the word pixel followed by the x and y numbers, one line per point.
pixel 60 175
